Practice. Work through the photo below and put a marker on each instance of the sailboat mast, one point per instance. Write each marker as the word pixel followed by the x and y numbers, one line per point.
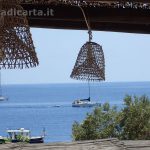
pixel 89 90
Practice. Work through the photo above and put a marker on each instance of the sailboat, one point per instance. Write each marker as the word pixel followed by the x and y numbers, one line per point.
pixel 2 98
pixel 85 102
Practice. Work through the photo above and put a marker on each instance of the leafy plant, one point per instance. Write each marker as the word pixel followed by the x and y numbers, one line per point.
pixel 22 138
pixel 135 118
pixel 22 141
pixel 99 124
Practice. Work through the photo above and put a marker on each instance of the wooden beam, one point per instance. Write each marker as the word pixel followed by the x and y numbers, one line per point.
pixel 114 27
pixel 93 14
pixel 100 18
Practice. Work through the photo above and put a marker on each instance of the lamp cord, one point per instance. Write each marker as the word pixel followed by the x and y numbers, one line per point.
pixel 87 23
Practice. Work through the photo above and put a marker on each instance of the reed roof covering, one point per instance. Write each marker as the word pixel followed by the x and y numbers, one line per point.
pixel 104 15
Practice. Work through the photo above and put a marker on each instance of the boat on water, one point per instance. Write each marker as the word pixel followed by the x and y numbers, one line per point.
pixel 57 106
pixel 2 98
pixel 14 134
pixel 84 103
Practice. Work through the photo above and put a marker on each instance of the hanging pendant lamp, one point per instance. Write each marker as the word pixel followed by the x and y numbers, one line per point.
pixel 90 63
pixel 16 46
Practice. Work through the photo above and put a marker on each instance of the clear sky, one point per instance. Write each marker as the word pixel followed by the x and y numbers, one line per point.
pixel 127 56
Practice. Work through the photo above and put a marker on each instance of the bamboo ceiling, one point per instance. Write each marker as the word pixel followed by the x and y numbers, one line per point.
pixel 104 15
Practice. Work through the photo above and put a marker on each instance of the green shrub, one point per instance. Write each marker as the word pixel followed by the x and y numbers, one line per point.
pixel 135 118
pixel 98 124
pixel 22 138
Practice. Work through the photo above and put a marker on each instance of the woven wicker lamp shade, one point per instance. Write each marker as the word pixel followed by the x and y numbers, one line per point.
pixel 16 46
pixel 90 63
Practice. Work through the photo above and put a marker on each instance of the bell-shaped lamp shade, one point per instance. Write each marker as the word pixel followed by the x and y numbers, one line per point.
pixel 90 63
pixel 16 46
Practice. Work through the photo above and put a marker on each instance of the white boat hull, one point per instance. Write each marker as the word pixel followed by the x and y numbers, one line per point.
pixel 83 105
pixel 3 98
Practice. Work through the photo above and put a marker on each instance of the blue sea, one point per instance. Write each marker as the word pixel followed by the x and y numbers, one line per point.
pixel 33 106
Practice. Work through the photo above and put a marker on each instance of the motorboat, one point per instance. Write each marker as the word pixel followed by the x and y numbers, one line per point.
pixel 84 103
pixel 26 134
pixel 57 106
pixel 2 98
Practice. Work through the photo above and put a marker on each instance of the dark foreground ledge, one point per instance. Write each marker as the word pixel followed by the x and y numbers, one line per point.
pixel 105 144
